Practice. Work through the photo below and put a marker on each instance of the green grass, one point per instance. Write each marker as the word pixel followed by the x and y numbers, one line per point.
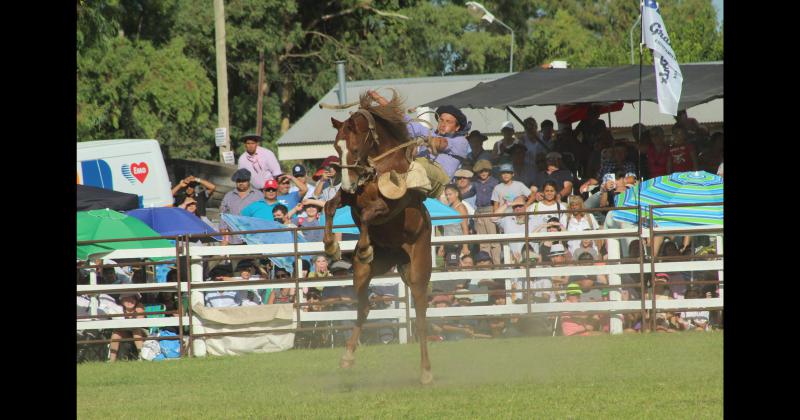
pixel 628 376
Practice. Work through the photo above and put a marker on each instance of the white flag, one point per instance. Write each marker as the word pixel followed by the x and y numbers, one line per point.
pixel 669 80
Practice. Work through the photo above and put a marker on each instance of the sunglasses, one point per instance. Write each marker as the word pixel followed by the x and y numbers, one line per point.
pixel 270 190
pixel 517 206
pixel 192 205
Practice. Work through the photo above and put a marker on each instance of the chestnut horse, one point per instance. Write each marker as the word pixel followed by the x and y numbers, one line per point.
pixel 374 141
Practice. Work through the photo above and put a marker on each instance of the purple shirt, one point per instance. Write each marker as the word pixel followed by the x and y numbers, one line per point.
pixel 262 165
pixel 451 157
pixel 483 191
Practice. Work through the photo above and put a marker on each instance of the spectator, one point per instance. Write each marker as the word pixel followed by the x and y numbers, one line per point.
pixel 190 205
pixel 463 180
pixel 287 198
pixel 576 324
pixel 588 285
pixel 299 174
pixel 602 150
pixel 549 249
pixel 312 209
pixel 662 292
pixel 260 162
pixel 525 174
pixel 693 320
pixel 246 272
pixel 484 188
pixel 710 158
pixel 508 189
pixel 284 294
pixel 476 139
pixel 190 187
pixel 535 143
pixel 328 179
pixel 453 196
pixel 553 172
pixel 508 140
pixel 132 308
pixel 619 162
pixel 695 133
pixel 235 200
pixel 341 297
pixel 222 298
pixel 585 248
pixel 263 208
pixel 551 201
pixel 313 297
pixel 514 223
pixel 578 221
pixel 569 146
pixel 658 156
pixel 683 157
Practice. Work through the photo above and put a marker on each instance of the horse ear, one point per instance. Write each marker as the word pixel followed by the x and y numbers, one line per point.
pixel 336 123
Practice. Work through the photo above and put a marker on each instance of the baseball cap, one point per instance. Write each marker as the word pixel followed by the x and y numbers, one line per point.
pixel 271 184
pixel 662 277
pixel 574 289
pixel 298 170
pixel 506 124
pixel 482 165
pixel 329 160
pixel 482 256
pixel 506 167
pixel 466 173
pixel 553 155
pixel 557 249
pixel 452 259
pixel 241 175
pixel 340 265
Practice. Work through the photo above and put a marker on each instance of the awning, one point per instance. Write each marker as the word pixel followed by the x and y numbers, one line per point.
pixel 701 83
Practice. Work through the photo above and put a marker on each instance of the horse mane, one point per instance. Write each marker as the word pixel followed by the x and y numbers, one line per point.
pixel 390 114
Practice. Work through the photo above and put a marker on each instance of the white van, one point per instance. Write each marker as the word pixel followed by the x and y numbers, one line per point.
pixel 131 166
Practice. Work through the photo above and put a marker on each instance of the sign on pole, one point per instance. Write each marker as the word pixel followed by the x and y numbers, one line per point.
pixel 227 157
pixel 220 134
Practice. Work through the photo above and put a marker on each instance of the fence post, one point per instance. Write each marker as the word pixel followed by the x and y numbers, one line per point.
pixel 196 275
pixel 719 273
pixel 93 301
pixel 612 245
pixel 403 318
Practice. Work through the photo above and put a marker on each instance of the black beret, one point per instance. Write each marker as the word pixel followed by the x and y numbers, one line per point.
pixel 450 109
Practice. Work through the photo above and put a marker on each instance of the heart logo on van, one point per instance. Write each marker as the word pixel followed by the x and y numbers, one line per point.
pixel 139 171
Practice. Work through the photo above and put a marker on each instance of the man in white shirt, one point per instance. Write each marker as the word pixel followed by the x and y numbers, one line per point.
pixel 261 162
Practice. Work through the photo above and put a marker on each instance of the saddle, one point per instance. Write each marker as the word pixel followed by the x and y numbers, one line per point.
pixel 423 175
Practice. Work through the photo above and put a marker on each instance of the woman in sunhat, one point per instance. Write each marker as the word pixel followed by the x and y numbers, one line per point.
pixel 132 308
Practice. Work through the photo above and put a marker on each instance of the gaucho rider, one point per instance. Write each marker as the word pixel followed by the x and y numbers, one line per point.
pixel 449 145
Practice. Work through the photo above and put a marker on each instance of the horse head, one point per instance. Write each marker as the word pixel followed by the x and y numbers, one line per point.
pixel 352 143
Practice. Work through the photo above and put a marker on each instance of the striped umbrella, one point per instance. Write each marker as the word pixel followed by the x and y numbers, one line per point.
pixel 678 188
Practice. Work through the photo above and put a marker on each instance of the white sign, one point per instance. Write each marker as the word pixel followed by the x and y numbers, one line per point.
pixel 220 134
pixel 227 157
pixel 669 80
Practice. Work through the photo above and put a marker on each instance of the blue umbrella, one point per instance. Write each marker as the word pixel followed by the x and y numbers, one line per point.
pixel 170 221
pixel 244 223
pixel 697 187
pixel 435 208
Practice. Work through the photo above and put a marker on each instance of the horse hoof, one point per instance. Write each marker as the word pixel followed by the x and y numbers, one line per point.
pixel 347 361
pixel 427 377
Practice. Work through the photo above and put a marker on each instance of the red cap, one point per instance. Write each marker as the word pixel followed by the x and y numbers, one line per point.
pixel 271 184
pixel 328 160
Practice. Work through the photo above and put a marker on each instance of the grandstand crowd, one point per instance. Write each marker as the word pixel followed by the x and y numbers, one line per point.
pixel 536 167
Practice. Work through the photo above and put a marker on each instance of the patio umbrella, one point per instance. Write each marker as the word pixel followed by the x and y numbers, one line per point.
pixel 93 198
pixel 435 208
pixel 244 223
pixel 109 224
pixel 678 188
pixel 169 221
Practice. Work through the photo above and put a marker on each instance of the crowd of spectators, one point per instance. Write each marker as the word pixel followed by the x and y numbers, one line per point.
pixel 567 172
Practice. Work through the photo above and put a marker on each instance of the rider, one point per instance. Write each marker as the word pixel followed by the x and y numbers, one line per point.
pixel 449 137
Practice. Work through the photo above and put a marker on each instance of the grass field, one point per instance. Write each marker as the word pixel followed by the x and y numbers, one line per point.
pixel 628 376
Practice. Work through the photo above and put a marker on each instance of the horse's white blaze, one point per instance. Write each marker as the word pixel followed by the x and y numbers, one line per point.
pixel 346 185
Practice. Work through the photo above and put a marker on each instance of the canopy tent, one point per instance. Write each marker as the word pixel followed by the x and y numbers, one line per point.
pixel 93 198
pixel 701 83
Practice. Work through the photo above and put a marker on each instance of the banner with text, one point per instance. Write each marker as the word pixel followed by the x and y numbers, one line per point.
pixel 669 80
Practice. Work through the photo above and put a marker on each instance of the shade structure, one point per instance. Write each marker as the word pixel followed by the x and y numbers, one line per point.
pixel 93 198
pixel 244 223
pixel 169 221
pixel 109 224
pixel 569 113
pixel 702 82
pixel 697 187
pixel 435 208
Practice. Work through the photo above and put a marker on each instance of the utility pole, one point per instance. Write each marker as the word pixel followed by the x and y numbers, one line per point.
pixel 260 105
pixel 222 75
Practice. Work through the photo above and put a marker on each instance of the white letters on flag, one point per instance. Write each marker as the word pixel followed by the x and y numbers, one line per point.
pixel 669 80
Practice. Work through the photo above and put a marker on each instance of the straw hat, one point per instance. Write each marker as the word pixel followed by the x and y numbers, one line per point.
pixel 391 185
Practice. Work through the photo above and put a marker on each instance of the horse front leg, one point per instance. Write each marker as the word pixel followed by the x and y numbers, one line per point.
pixel 364 251
pixel 332 249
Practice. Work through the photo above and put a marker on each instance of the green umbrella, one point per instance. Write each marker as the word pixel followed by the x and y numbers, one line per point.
pixel 109 224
